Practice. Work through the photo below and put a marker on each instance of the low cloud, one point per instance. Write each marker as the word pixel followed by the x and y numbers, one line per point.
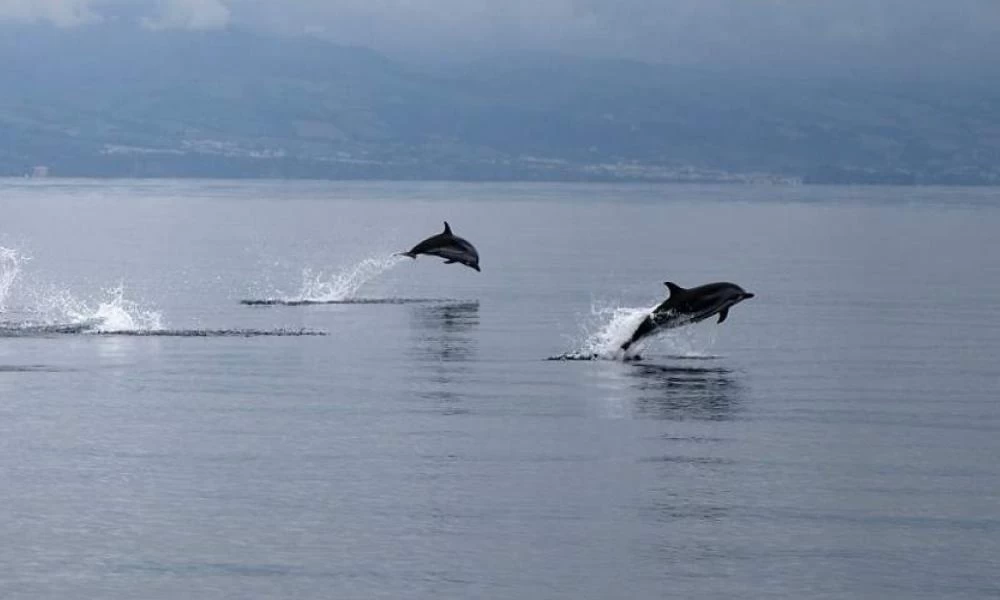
pixel 824 34
pixel 63 13
pixel 155 14
pixel 190 14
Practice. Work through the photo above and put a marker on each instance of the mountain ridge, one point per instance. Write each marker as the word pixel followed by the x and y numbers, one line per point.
pixel 113 100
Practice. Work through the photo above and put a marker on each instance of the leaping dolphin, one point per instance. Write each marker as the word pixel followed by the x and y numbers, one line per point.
pixel 448 246
pixel 686 306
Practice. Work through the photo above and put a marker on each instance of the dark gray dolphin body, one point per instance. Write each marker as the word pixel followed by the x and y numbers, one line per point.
pixel 448 246
pixel 684 307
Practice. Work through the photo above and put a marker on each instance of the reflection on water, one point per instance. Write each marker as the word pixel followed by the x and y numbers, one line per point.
pixel 687 465
pixel 444 332
pixel 685 392
pixel 674 506
pixel 444 339
pixel 677 391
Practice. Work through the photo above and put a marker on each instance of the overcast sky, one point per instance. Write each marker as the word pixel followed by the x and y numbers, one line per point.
pixel 812 33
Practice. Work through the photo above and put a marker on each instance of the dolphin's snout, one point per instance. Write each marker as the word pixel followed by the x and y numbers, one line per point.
pixel 748 295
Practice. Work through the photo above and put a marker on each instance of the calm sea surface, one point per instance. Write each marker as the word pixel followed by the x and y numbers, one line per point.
pixel 404 436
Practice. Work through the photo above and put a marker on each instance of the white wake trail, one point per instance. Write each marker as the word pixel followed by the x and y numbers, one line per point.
pixel 343 286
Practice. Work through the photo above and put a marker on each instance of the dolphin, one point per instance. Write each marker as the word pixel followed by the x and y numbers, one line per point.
pixel 685 306
pixel 449 247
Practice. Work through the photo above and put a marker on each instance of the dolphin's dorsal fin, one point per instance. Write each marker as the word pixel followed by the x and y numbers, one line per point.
pixel 447 228
pixel 674 288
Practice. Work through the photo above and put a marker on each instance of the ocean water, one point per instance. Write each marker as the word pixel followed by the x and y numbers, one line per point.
pixel 214 389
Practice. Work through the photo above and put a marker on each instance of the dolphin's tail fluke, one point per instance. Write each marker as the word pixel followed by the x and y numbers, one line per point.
pixel 410 254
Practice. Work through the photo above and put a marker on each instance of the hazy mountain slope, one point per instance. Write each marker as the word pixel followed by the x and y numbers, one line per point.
pixel 117 100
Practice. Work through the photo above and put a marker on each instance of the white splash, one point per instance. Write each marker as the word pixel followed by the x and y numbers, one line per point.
pixel 116 313
pixel 10 268
pixel 345 284
pixel 51 308
pixel 619 323
pixel 112 313
pixel 615 325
